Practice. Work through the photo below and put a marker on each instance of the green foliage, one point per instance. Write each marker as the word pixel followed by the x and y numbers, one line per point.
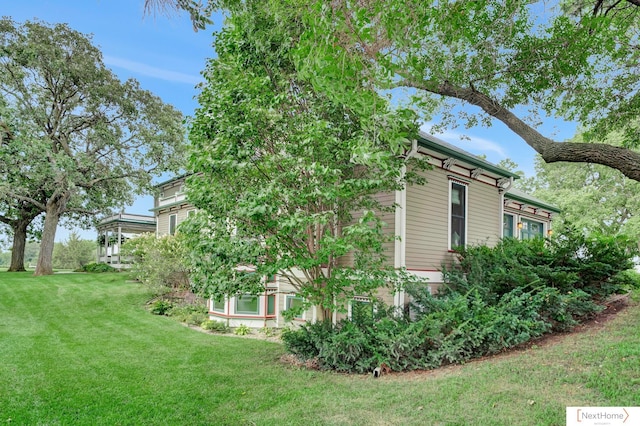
pixel 107 141
pixel 191 314
pixel 480 52
pixel 159 263
pixel 284 178
pixel 96 268
pixel 568 261
pixel 242 330
pixel 215 326
pixel 493 299
pixel 5 258
pixel 627 280
pixel 590 196
pixel 73 253
pixel 161 307
pixel 269 331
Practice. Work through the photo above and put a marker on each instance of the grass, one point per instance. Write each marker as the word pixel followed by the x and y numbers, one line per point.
pixel 81 349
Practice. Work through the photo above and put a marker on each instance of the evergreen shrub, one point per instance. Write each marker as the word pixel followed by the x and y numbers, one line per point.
pixel 493 299
pixel 94 267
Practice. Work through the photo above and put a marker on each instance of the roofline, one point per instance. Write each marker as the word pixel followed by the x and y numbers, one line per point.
pixel 182 176
pixel 168 206
pixel 431 142
pixel 532 201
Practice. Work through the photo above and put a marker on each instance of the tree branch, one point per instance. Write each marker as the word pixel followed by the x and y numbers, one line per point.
pixel 622 159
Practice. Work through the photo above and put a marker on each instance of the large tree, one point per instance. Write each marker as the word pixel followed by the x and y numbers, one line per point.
pixel 285 179
pixel 511 61
pixel 592 197
pixel 101 139
pixel 574 60
pixel 21 171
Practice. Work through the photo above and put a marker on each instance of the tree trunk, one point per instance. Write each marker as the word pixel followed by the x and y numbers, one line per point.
pixel 19 243
pixel 45 258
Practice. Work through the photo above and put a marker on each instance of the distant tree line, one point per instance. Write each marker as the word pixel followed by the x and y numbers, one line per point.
pixel 70 254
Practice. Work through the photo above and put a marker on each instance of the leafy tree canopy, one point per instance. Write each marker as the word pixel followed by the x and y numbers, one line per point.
pixel 92 140
pixel 592 197
pixel 73 253
pixel 285 178
pixel 516 61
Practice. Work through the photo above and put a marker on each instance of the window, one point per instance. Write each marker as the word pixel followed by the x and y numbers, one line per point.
pixel 295 302
pixel 173 219
pixel 531 229
pixel 458 215
pixel 247 304
pixel 507 227
pixel 218 305
pixel 271 304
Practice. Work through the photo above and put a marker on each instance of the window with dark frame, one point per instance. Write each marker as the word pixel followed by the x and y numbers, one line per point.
pixel 458 214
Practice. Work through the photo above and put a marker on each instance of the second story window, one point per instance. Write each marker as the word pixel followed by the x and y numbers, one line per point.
pixel 173 221
pixel 458 219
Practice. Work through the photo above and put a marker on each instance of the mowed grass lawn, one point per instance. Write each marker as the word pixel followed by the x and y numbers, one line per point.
pixel 80 349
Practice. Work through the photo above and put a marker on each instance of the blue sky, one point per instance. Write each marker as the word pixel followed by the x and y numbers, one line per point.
pixel 166 56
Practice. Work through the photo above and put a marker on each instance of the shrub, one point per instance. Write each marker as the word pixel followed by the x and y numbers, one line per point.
pixel 159 263
pixel 213 325
pixel 269 331
pixel 96 268
pixel 627 280
pixel 161 307
pixel 195 318
pixel 189 313
pixel 493 299
pixel 242 330
pixel 567 262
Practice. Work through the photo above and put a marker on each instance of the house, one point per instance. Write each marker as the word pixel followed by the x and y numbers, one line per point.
pixel 170 205
pixel 467 200
pixel 115 230
pixel 526 216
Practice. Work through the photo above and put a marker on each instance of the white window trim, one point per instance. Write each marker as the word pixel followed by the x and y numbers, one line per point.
pixel 294 296
pixel 175 227
pixel 466 210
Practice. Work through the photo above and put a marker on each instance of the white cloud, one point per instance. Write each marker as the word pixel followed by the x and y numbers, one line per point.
pixel 162 74
pixel 471 143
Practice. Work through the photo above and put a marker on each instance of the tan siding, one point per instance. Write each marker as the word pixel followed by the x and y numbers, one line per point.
pixel 163 217
pixel 389 218
pixel 428 219
pixel 163 224
pixel 427 222
pixel 483 214
pixel 170 192
pixel 386 295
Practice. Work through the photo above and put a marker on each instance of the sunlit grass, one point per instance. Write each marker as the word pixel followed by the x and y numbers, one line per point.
pixel 81 349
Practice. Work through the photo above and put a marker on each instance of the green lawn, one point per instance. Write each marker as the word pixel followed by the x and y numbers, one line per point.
pixel 81 349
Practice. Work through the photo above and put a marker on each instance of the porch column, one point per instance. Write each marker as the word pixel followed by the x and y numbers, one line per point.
pixel 118 243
